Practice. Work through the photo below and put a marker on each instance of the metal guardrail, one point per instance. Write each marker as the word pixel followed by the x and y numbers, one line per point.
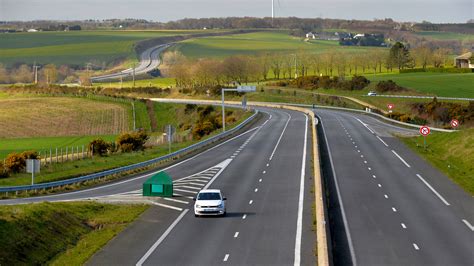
pixel 128 167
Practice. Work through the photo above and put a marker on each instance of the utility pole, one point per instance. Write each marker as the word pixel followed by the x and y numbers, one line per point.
pixel 133 74
pixel 121 81
pixel 273 11
pixel 36 74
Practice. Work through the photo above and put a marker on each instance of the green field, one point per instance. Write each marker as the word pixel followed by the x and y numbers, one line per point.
pixel 439 84
pixel 154 82
pixel 452 153
pixel 255 43
pixel 74 47
pixel 60 233
pixel 439 35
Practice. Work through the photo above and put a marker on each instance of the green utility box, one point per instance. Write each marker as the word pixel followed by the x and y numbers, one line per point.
pixel 159 185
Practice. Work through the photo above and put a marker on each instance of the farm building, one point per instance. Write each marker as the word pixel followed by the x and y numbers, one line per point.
pixel 464 61
pixel 310 35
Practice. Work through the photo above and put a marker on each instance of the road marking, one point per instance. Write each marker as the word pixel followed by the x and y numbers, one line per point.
pixel 166 206
pixel 379 185
pixel 374 176
pixel 256 189
pixel 175 200
pixel 236 234
pixel 299 221
pixel 386 196
pixel 432 189
pixel 226 257
pixel 244 216
pixel 344 218
pixel 264 172
pixel 369 168
pixel 180 195
pixel 468 224
pixel 404 226
pixel 365 161
pixel 393 209
pixel 268 164
pixel 386 145
pixel 260 180
pixel 281 135
pixel 190 187
pixel 250 202
pixel 365 125
pixel 223 166
pixel 358 150
pixel 416 246
pixel 355 146
pixel 162 237
pixel 184 190
pixel 401 159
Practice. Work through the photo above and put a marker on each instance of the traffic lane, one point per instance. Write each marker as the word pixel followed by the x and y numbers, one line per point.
pixel 238 184
pixel 189 166
pixel 459 200
pixel 268 237
pixel 127 247
pixel 436 230
pixel 369 222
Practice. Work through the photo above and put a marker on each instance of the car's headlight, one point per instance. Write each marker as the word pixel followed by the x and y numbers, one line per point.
pixel 221 205
pixel 198 206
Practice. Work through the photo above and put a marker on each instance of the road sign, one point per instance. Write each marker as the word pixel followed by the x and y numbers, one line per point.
pixel 33 166
pixel 246 88
pixel 390 106
pixel 425 131
pixel 454 123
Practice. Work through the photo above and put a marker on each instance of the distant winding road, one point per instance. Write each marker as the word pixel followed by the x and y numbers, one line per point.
pixel 149 60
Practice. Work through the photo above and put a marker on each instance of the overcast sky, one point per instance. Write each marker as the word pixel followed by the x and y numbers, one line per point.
pixel 166 10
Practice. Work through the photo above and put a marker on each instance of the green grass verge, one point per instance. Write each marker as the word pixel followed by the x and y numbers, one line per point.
pixel 452 153
pixel 60 233
pixel 153 82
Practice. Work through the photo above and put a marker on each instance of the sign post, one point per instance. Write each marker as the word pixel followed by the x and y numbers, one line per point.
pixel 170 130
pixel 454 123
pixel 33 166
pixel 390 107
pixel 238 89
pixel 425 131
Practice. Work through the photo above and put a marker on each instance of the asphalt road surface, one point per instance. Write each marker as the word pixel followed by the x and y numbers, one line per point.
pixel 265 173
pixel 389 206
pixel 149 61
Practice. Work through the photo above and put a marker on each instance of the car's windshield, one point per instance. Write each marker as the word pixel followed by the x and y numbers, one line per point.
pixel 209 196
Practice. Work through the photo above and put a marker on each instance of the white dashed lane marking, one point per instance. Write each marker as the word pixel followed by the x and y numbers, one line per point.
pixel 226 257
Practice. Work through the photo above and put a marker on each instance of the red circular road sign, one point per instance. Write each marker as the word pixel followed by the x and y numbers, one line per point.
pixel 424 130
pixel 454 123
pixel 390 106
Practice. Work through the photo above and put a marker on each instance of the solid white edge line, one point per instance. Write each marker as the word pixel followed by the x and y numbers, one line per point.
pixel 468 224
pixel 299 221
pixel 281 135
pixel 386 145
pixel 162 237
pixel 432 189
pixel 339 198
pixel 365 125
pixel 401 159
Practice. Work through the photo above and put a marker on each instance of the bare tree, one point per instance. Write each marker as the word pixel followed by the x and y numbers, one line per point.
pixel 423 56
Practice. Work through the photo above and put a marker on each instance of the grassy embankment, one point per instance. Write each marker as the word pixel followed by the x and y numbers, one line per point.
pixel 452 153
pixel 60 233
pixel 76 47
pixel 164 113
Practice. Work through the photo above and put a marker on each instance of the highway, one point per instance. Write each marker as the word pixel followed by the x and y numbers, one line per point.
pixel 266 175
pixel 149 61
pixel 389 206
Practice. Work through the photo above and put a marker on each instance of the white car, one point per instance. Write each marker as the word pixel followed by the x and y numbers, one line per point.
pixel 372 93
pixel 209 202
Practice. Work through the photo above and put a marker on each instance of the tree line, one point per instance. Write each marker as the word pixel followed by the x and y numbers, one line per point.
pixel 209 73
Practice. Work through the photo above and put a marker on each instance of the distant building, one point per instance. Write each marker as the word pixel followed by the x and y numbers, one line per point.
pixel 32 30
pixel 310 35
pixel 464 61
pixel 360 35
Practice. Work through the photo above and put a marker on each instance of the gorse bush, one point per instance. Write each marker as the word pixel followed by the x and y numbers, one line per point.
pixel 388 86
pixel 327 82
pixel 99 147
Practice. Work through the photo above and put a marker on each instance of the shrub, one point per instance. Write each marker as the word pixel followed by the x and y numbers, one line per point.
pixel 99 147
pixel 15 162
pixel 133 141
pixel 189 108
pixel 3 171
pixel 30 155
pixel 388 86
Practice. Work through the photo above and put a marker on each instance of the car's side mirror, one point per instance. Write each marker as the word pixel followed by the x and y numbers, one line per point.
pixel 224 198
pixel 194 198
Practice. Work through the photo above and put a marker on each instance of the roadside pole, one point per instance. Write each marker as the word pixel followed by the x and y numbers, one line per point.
pixel 425 131
pixel 238 89
pixel 134 122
